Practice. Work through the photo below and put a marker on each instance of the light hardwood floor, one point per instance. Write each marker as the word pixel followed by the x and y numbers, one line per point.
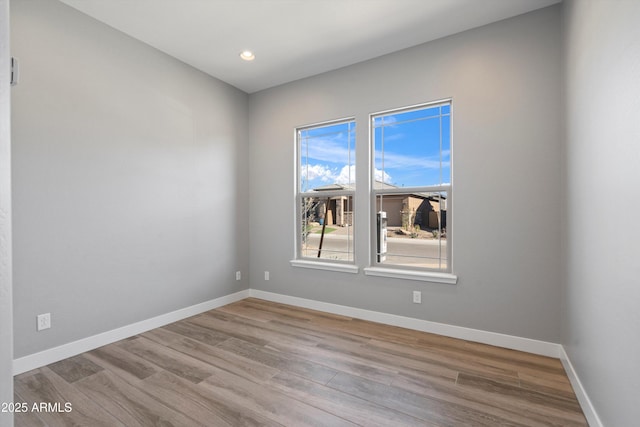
pixel 260 363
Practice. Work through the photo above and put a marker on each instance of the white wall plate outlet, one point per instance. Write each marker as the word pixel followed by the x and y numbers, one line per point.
pixel 43 321
pixel 417 297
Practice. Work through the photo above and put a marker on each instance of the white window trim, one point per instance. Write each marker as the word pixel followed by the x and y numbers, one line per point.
pixel 308 262
pixel 413 274
pixel 328 266
pixel 390 270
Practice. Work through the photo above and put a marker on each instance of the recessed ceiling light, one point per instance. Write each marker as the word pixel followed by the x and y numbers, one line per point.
pixel 247 55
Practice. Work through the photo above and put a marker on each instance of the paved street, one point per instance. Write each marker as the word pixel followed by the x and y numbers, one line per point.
pixel 400 251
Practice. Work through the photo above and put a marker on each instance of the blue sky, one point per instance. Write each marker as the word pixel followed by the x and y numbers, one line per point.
pixel 407 150
pixel 407 147
pixel 327 155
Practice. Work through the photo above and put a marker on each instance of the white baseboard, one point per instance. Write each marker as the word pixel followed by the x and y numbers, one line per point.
pixel 585 403
pixel 492 338
pixel 52 355
pixel 543 348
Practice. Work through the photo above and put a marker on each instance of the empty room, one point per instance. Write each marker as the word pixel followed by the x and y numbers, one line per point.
pixel 319 212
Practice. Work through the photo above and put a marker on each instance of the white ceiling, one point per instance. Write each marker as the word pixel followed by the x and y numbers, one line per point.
pixel 292 39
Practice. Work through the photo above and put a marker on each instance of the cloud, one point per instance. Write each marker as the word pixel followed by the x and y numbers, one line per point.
pixel 346 176
pixel 393 161
pixel 334 149
pixel 386 121
pixel 382 176
pixel 313 172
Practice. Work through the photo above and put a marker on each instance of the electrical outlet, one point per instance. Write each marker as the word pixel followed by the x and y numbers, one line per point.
pixel 43 321
pixel 266 275
pixel 417 297
pixel 238 275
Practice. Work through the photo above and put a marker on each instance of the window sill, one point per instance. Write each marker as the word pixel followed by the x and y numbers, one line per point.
pixel 424 276
pixel 329 266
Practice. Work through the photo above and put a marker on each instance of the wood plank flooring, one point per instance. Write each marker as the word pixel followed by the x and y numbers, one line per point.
pixel 258 363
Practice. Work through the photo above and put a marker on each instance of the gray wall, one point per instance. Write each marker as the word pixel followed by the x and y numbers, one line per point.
pixel 602 315
pixel 6 303
pixel 129 179
pixel 131 183
pixel 505 81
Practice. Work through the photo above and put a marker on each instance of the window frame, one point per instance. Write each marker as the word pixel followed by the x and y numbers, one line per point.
pixel 299 260
pixel 377 268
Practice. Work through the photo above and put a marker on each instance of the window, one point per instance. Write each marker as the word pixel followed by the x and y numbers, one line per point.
pixel 325 190
pixel 411 182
